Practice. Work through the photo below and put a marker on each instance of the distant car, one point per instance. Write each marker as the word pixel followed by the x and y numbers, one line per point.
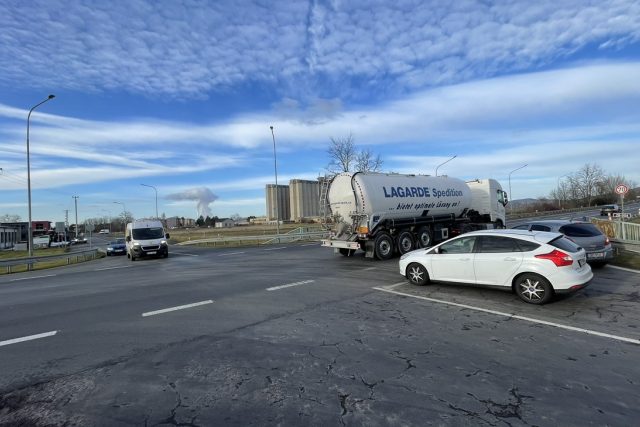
pixel 117 247
pixel 609 209
pixel 584 234
pixel 104 231
pixel 535 265
pixel 79 241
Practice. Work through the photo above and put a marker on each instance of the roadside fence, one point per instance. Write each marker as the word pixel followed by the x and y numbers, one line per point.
pixel 297 235
pixel 79 256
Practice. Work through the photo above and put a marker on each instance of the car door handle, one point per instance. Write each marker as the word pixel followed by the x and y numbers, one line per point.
pixel 510 259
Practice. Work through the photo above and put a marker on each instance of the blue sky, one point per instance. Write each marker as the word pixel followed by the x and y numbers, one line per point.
pixel 180 95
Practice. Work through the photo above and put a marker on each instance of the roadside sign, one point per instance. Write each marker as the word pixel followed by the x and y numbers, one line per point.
pixel 621 189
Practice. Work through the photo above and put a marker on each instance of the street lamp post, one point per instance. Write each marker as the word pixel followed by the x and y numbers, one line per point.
pixel 124 214
pixel 156 190
pixel 275 168
pixel 29 172
pixel 511 194
pixel 444 163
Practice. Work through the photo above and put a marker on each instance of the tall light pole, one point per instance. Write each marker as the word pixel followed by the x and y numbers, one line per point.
pixel 29 172
pixel 444 163
pixel 75 199
pixel 558 189
pixel 275 168
pixel 156 190
pixel 510 194
pixel 124 215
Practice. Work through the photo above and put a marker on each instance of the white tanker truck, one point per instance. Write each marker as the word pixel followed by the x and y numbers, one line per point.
pixel 384 214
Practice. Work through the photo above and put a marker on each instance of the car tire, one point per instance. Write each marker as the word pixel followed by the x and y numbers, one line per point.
pixel 405 242
pixel 533 289
pixel 166 254
pixel 417 274
pixel 423 237
pixel 346 252
pixel 384 246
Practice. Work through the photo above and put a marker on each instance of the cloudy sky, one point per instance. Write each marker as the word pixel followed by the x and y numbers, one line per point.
pixel 180 95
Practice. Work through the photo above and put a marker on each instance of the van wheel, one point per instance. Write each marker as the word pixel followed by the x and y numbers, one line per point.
pixel 166 254
pixel 405 242
pixel 384 246
pixel 533 289
pixel 423 237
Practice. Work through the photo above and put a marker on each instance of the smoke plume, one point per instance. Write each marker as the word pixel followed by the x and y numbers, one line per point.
pixel 202 195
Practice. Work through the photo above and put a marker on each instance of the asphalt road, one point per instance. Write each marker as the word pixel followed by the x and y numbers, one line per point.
pixel 294 334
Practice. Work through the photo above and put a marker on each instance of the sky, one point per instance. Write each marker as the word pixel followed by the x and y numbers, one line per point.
pixel 180 96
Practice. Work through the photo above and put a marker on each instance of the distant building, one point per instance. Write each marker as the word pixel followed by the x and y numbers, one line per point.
pixel 280 209
pixel 8 236
pixel 304 199
pixel 225 223
pixel 177 221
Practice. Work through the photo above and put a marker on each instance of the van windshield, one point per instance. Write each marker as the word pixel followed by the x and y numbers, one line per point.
pixel 147 233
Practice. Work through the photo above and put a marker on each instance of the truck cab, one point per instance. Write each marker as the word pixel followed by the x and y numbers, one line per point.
pixel 488 201
pixel 145 238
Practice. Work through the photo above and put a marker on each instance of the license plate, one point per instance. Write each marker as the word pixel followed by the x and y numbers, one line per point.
pixel 581 262
pixel 151 253
pixel 595 255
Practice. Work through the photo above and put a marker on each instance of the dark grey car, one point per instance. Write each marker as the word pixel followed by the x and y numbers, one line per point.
pixel 585 234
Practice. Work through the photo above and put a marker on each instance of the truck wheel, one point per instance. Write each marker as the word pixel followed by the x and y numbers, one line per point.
pixel 384 246
pixel 346 252
pixel 405 242
pixel 423 237
pixel 417 274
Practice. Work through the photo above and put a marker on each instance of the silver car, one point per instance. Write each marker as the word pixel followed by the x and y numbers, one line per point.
pixel 585 234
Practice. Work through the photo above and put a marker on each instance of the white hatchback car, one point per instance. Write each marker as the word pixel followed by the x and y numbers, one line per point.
pixel 535 265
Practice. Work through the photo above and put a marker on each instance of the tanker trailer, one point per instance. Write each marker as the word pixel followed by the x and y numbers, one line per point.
pixel 384 214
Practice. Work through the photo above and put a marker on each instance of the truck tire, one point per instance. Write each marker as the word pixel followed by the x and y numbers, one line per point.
pixel 384 246
pixel 423 237
pixel 405 242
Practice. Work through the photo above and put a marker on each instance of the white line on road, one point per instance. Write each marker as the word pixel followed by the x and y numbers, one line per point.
pixel 630 270
pixel 33 277
pixel 232 253
pixel 304 282
pixel 29 338
pixel 275 249
pixel 311 244
pixel 513 316
pixel 369 269
pixel 183 253
pixel 111 268
pixel 180 307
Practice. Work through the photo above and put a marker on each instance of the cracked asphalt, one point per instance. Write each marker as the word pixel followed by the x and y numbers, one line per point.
pixel 333 351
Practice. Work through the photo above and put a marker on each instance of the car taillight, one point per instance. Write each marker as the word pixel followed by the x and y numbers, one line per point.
pixel 560 259
pixel 607 241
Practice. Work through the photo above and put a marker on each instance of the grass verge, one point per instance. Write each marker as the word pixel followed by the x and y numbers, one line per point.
pixel 43 265
pixel 627 259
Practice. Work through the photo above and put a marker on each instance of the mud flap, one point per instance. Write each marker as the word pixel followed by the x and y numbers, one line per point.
pixel 369 249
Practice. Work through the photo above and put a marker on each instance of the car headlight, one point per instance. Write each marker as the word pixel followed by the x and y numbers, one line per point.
pixel 163 243
pixel 136 244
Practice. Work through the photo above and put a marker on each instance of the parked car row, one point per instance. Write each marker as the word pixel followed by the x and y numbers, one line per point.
pixel 536 260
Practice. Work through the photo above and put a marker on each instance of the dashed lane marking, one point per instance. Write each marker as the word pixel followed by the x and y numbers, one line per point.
pixel 304 282
pixel 275 249
pixel 180 307
pixel 514 316
pixel 28 338
pixel 232 253
pixel 112 268
pixel 32 277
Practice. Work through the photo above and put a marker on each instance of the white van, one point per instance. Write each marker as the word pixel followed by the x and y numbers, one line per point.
pixel 145 237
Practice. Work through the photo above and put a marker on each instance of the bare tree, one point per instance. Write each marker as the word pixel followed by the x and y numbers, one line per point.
pixel 344 157
pixel 10 218
pixel 586 181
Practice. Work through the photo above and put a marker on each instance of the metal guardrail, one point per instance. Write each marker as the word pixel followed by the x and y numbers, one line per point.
pixel 625 231
pixel 297 235
pixel 30 261
pixel 626 245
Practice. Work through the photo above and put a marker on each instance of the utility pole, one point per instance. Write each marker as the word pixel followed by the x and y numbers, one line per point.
pixel 75 199
pixel 275 168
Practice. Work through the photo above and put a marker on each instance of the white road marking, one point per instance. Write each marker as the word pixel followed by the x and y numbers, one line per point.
pixel 111 268
pixel 275 249
pixel 514 316
pixel 369 269
pixel 630 270
pixel 33 277
pixel 28 338
pixel 232 253
pixel 183 253
pixel 304 282
pixel 180 307
pixel 311 244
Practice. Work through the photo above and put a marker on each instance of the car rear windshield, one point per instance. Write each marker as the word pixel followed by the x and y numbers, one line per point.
pixel 580 230
pixel 564 244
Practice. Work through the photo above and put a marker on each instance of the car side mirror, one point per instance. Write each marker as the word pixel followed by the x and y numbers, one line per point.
pixel 128 238
pixel 436 251
pixel 167 236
